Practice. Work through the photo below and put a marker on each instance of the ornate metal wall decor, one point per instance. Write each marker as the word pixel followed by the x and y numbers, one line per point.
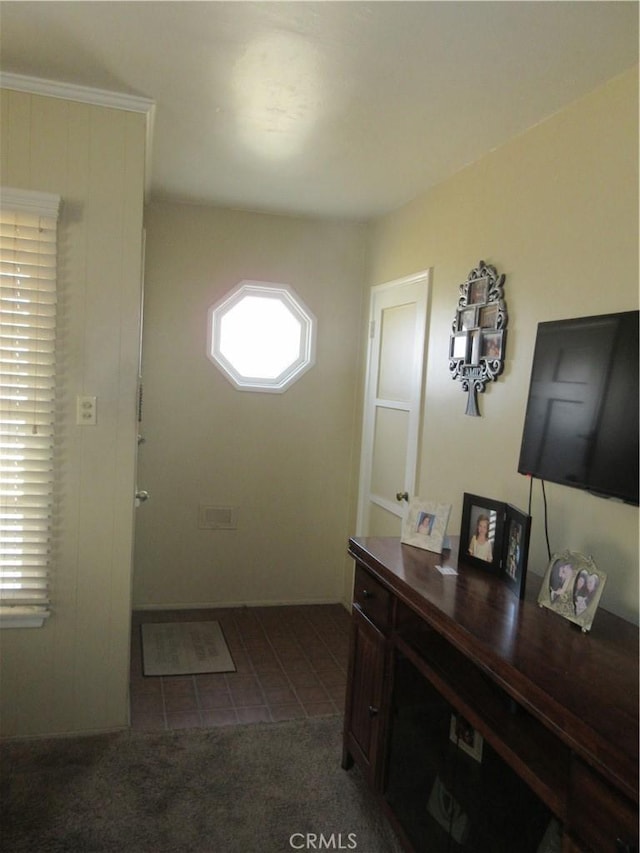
pixel 479 331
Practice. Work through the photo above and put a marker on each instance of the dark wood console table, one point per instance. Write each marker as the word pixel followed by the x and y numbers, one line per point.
pixel 557 708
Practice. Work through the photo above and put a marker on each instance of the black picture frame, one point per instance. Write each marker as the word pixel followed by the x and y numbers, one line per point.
pixel 475 510
pixel 517 531
pixel 509 531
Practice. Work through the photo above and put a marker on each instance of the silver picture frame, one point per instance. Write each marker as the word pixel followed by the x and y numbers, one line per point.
pixel 572 587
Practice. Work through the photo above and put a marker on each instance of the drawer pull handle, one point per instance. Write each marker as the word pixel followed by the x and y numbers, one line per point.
pixel 373 711
pixel 367 593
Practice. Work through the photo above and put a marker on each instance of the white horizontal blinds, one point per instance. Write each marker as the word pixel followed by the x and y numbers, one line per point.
pixel 28 224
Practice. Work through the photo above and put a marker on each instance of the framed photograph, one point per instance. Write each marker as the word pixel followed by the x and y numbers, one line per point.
pixel 491 346
pixel 481 312
pixel 494 536
pixel 465 737
pixel 489 316
pixel 517 529
pixel 460 346
pixel 572 587
pixel 478 291
pixel 425 524
pixel 447 812
pixel 481 533
pixel 467 319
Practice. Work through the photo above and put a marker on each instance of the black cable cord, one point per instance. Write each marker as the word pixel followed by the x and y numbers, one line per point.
pixel 546 526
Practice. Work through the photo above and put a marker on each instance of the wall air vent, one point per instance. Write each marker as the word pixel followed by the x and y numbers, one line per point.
pixel 218 517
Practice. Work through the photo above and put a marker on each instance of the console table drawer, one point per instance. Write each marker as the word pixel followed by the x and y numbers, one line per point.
pixel 599 816
pixel 372 598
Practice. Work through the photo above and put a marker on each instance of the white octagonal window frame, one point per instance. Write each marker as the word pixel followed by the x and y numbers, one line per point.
pixel 261 336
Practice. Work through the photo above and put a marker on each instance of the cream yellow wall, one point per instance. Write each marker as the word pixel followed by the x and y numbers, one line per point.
pixel 556 210
pixel 284 460
pixel 72 674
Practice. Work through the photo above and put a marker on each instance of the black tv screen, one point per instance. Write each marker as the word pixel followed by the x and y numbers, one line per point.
pixel 581 424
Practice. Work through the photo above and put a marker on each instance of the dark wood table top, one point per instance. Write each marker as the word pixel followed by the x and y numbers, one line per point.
pixel 583 686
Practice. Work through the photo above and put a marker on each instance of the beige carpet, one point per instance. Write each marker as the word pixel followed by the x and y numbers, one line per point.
pixel 184 648
pixel 233 789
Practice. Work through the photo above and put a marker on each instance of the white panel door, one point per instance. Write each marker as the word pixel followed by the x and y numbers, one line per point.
pixel 393 403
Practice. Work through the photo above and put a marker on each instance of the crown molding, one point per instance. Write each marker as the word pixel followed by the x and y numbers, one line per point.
pixel 72 92
pixel 91 96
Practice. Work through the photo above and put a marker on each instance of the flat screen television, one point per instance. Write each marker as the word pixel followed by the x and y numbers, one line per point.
pixel 581 424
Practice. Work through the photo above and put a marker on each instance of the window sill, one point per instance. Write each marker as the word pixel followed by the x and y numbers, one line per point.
pixel 22 617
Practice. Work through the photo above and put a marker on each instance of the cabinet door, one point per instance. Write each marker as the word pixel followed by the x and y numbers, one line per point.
pixel 363 716
pixel 448 789
pixel 600 818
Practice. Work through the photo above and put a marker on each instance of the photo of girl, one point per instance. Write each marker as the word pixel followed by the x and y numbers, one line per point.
pixel 425 523
pixel 480 544
pixel 483 533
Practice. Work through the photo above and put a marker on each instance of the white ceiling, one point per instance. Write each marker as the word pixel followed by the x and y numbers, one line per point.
pixel 324 108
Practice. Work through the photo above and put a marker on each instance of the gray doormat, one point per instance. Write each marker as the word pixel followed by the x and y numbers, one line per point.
pixel 184 648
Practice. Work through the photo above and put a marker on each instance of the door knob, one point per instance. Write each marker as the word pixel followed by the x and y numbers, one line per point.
pixel 402 496
pixel 142 495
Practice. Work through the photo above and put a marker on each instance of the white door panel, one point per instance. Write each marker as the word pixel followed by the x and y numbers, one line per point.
pixel 393 402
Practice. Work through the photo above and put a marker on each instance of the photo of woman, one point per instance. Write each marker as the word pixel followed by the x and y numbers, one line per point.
pixel 584 590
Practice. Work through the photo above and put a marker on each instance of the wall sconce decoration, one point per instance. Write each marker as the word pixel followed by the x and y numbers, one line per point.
pixel 479 331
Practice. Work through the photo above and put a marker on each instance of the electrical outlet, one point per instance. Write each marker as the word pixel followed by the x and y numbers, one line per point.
pixel 86 410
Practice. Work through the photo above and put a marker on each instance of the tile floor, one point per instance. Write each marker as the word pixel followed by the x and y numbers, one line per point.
pixel 291 662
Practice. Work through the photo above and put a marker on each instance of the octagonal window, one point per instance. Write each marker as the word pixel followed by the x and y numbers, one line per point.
pixel 261 336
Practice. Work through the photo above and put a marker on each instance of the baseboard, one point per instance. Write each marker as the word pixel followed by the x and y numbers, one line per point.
pixel 62 735
pixel 220 605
